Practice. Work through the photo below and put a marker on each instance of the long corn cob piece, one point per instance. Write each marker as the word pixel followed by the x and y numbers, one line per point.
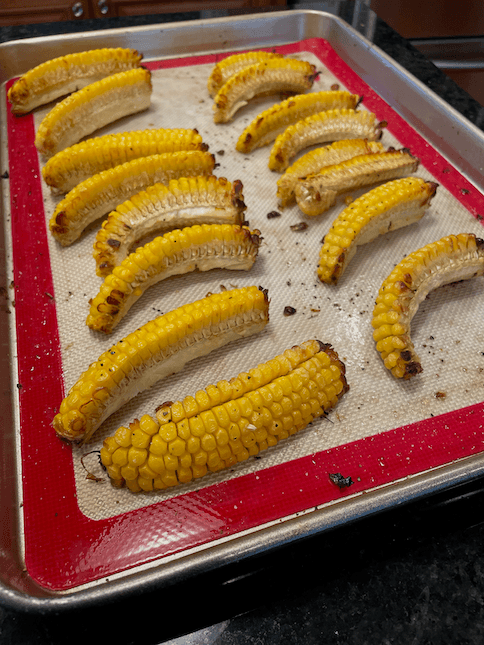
pixel 195 248
pixel 386 208
pixel 268 77
pixel 158 209
pixel 100 194
pixel 226 423
pixel 273 121
pixel 60 76
pixel 231 65
pixel 317 193
pixel 323 127
pixel 161 347
pixel 93 107
pixel 73 165
pixel 450 259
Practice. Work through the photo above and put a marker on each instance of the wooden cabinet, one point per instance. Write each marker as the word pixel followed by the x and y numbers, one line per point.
pixel 22 12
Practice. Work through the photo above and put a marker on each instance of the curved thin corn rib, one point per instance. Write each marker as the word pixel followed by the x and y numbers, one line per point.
pixel 93 107
pixel 161 347
pixel 231 65
pixel 317 193
pixel 269 77
pixel 386 208
pixel 195 248
pixel 60 76
pixel 330 125
pixel 71 166
pixel 315 160
pixel 102 193
pixel 450 259
pixel 158 209
pixel 227 423
pixel 273 121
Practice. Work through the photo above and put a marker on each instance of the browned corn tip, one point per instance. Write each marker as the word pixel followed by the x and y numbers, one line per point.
pixel 231 65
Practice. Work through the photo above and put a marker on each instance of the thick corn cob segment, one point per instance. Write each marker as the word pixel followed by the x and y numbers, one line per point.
pixel 93 107
pixel 161 347
pixel 226 423
pixel 60 76
pixel 268 77
pixel 71 166
pixel 232 65
pixel 95 197
pixel 195 248
pixel 386 208
pixel 315 160
pixel 158 209
pixel 273 121
pixel 317 193
pixel 323 127
pixel 450 259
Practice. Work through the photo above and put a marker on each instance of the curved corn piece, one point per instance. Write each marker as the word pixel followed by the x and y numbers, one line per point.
pixel 317 193
pixel 386 208
pixel 315 160
pixel 69 167
pixel 227 423
pixel 195 248
pixel 273 121
pixel 269 77
pixel 450 259
pixel 331 125
pixel 231 65
pixel 98 195
pixel 93 107
pixel 158 209
pixel 161 347
pixel 60 76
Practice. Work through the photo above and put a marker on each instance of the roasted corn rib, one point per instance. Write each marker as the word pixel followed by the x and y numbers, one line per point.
pixel 100 194
pixel 386 208
pixel 317 193
pixel 231 65
pixel 161 347
pixel 195 248
pixel 73 165
pixel 93 107
pixel 268 77
pixel 450 259
pixel 60 76
pixel 158 209
pixel 226 423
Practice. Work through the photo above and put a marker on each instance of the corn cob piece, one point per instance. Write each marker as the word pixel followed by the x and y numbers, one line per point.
pixel 323 127
pixel 386 208
pixel 93 107
pixel 317 193
pixel 450 259
pixel 195 248
pixel 100 194
pixel 273 121
pixel 158 349
pixel 73 165
pixel 315 160
pixel 158 209
pixel 226 424
pixel 65 74
pixel 231 65
pixel 268 77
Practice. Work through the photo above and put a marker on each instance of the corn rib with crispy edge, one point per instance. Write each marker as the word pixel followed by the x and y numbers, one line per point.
pixel 227 423
pixel 195 248
pixel 450 259
pixel 158 209
pixel 93 107
pixel 158 349
pixel 71 166
pixel 386 208
pixel 61 76
pixel 95 197
pixel 323 127
pixel 317 193
pixel 269 77
pixel 231 65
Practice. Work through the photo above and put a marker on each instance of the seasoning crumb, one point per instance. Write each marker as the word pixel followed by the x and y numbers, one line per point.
pixel 221 153
pixel 289 311
pixel 300 226
pixel 340 481
pixel 5 175
pixel 335 87
pixel 440 395
pixel 273 214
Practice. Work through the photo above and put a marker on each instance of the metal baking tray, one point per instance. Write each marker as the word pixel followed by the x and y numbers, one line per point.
pixel 71 542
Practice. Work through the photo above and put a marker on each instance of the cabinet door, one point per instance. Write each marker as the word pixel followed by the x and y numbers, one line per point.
pixel 143 7
pixel 23 12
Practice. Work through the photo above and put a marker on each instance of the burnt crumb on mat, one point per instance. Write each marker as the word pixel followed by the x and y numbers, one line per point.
pixel 340 481
pixel 289 311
